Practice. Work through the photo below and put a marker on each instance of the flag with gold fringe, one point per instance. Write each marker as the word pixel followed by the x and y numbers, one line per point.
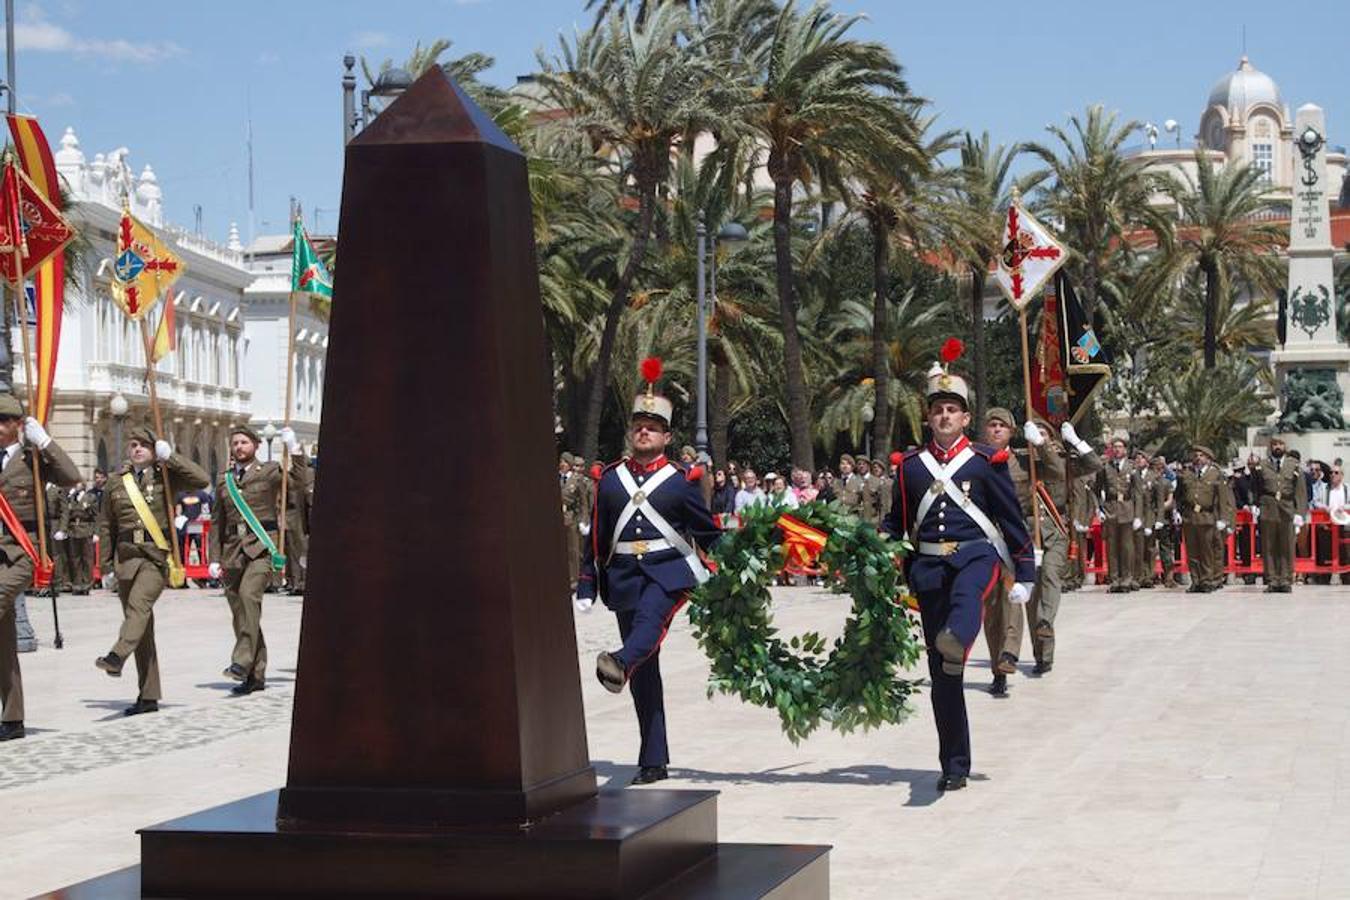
pixel 144 267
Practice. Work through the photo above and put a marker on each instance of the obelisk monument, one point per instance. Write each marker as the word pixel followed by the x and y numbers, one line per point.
pixel 1313 366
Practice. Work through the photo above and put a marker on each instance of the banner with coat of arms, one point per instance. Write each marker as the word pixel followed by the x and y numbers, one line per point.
pixel 144 268
pixel 1069 364
pixel 1029 258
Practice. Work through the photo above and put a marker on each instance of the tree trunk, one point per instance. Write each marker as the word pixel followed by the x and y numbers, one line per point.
pixel 979 352
pixel 799 421
pixel 881 362
pixel 719 417
pixel 1211 310
pixel 595 403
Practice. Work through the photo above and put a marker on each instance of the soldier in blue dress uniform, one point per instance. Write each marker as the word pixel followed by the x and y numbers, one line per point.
pixel 955 501
pixel 640 558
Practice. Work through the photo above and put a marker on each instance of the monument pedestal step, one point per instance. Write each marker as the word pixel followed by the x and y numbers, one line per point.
pixel 617 845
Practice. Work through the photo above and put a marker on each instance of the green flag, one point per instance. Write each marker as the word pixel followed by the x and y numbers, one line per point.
pixel 308 273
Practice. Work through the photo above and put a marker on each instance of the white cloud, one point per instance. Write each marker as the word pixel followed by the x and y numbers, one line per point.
pixel 57 100
pixel 369 40
pixel 36 33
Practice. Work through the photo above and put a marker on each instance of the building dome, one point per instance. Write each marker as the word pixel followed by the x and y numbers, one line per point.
pixel 1239 91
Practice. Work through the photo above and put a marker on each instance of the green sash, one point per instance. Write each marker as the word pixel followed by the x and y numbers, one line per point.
pixel 278 560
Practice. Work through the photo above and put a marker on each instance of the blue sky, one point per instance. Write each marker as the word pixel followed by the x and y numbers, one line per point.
pixel 177 82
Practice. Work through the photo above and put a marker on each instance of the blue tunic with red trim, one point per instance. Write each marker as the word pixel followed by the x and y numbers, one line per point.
pixel 679 500
pixel 990 489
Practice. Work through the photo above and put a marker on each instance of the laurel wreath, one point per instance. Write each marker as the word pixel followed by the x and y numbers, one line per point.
pixel 856 684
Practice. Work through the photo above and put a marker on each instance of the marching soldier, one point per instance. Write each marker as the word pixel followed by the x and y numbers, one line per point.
pixel 1200 490
pixel 243 546
pixel 851 485
pixel 955 501
pixel 1082 510
pixel 1145 556
pixel 18 538
pixel 640 562
pixel 56 539
pixel 1164 527
pixel 299 496
pixel 1282 493
pixel 1003 620
pixel 134 537
pixel 1123 509
pixel 80 518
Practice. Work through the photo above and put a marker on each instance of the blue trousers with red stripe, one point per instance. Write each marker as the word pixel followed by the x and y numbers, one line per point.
pixel 643 629
pixel 951 592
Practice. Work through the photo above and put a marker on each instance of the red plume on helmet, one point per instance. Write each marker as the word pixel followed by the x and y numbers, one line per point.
pixel 896 457
pixel 651 369
pixel 952 350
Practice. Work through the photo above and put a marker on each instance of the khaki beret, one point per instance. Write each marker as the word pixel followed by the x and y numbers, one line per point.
pixel 10 407
pixel 142 433
pixel 247 431
pixel 846 458
pixel 999 414
pixel 1203 449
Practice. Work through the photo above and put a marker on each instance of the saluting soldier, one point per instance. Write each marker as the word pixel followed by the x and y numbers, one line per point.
pixel 851 490
pixel 1200 490
pixel 954 500
pixel 18 538
pixel 1282 493
pixel 134 537
pixel 641 562
pixel 1145 557
pixel 243 546
pixel 1123 509
pixel 80 522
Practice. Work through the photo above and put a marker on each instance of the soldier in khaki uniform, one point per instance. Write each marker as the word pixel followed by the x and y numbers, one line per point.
pixel 1002 619
pixel 239 556
pixel 1164 528
pixel 128 548
pixel 881 478
pixel 867 489
pixel 299 494
pixel 16 564
pixel 79 520
pixel 1082 510
pixel 1282 493
pixel 851 485
pixel 1200 497
pixel 56 539
pixel 1145 553
pixel 1123 510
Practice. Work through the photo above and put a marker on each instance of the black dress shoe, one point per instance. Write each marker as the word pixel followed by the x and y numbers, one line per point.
pixel 235 671
pixel 999 688
pixel 610 672
pixel 11 731
pixel 112 664
pixel 248 686
pixel 141 706
pixel 1195 589
pixel 1041 667
pixel 650 774
pixel 951 783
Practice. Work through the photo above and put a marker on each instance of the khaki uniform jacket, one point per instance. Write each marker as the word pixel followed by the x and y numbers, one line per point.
pixel 233 543
pixel 1160 501
pixel 1147 501
pixel 1203 499
pixel 16 483
pixel 299 500
pixel 56 510
pixel 852 493
pixel 1052 471
pixel 122 536
pixel 81 514
pixel 871 499
pixel 1122 493
pixel 1282 491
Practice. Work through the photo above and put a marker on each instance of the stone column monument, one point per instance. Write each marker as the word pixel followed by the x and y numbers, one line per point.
pixel 1312 367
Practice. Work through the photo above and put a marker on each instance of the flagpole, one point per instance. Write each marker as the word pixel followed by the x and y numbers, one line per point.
pixel 1031 449
pixel 286 451
pixel 159 430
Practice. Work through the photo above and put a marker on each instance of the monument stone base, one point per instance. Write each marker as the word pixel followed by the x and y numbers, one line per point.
pixel 649 844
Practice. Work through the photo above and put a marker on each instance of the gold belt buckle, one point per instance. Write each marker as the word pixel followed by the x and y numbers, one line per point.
pixel 241 529
pixel 950 547
pixel 640 547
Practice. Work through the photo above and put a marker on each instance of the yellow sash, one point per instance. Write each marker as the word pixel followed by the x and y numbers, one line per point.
pixel 177 577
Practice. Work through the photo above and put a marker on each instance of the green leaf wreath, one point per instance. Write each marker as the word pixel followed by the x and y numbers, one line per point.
pixel 856 683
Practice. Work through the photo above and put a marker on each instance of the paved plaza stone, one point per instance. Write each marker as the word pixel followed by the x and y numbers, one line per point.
pixel 1185 745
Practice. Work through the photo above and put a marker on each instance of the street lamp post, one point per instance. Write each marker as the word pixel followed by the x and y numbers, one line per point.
pixel 118 406
pixel 701 425
pixel 389 83
pixel 269 431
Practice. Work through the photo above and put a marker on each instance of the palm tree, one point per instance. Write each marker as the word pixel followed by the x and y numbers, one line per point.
pixel 1213 406
pixel 1220 235
pixel 464 70
pixel 819 95
pixel 635 91
pixel 1102 199
pixel 985 192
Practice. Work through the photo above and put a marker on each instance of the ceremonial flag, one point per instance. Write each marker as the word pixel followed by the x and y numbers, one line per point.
pixel 1070 365
pixel 166 336
pixel 32 231
pixel 144 268
pixel 49 279
pixel 308 273
pixel 1030 256
pixel 801 543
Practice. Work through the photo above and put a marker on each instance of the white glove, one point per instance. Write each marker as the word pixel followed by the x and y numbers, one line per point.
pixel 1020 593
pixel 1032 432
pixel 59 536
pixel 1221 524
pixel 162 450
pixel 1070 435
pixel 35 433
pixel 1137 524
pixel 213 570
pixel 108 581
pixel 1080 528
pixel 179 522
pixel 1157 526
pixel 584 528
pixel 1298 523
pixel 290 440
pixel 1256 512
pixel 1148 532
pixel 1040 556
pixel 583 604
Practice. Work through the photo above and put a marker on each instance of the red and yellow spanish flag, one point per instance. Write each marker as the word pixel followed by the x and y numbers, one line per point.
pixel 801 542
pixel 35 156
pixel 166 337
